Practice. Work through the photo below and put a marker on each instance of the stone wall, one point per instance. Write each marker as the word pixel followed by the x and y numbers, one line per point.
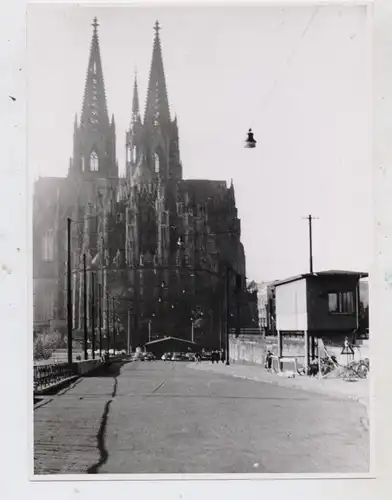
pixel 84 367
pixel 253 349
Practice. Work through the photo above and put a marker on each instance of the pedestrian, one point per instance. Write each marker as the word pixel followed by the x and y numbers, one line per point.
pixel 268 360
pixel 222 356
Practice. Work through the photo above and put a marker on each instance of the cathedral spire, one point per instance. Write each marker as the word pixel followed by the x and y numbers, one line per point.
pixel 94 111
pixel 135 103
pixel 157 105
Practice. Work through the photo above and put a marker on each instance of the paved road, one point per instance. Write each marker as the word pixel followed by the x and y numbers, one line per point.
pixel 166 418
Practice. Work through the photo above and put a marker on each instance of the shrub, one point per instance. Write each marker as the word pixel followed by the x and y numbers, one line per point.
pixel 45 344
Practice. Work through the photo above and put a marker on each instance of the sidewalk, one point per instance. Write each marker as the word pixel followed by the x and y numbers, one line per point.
pixel 358 391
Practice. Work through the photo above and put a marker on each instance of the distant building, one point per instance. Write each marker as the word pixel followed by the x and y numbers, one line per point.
pixel 266 307
pixel 158 243
pixel 171 344
pixel 320 305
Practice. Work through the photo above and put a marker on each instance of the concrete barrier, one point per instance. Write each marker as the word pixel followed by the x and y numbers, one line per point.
pixel 84 367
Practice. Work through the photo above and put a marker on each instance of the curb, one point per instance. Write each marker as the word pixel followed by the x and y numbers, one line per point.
pixel 277 382
pixel 54 388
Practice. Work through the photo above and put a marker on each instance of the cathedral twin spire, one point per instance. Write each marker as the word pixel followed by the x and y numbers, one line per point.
pixel 94 111
pixel 157 105
pixel 94 139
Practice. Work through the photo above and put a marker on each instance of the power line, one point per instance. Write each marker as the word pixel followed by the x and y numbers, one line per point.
pixel 291 56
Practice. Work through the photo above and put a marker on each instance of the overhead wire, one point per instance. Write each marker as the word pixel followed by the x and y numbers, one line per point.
pixel 286 65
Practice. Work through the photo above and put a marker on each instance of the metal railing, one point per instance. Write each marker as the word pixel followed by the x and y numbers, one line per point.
pixel 45 375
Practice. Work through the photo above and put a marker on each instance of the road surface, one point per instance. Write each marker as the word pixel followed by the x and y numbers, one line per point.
pixel 162 417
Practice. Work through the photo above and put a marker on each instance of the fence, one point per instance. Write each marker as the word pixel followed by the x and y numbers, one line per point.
pixel 49 374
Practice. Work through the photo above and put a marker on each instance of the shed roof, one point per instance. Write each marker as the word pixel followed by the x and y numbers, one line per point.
pixel 357 274
pixel 165 339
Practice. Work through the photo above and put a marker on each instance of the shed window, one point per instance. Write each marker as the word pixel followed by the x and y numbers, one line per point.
pixel 341 302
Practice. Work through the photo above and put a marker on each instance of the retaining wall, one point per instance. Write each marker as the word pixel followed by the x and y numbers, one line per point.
pixel 253 349
pixel 83 367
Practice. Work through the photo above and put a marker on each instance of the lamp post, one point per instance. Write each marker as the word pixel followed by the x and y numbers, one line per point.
pixel 227 316
pixel 69 295
pixel 85 306
pixel 107 323
pixel 114 326
pixel 129 333
pixel 100 317
pixel 93 314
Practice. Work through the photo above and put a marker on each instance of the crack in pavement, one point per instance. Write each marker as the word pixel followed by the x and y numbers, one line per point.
pixel 101 445
pixel 103 452
pixel 157 388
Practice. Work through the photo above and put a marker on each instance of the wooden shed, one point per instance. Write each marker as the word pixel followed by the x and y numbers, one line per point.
pixel 318 305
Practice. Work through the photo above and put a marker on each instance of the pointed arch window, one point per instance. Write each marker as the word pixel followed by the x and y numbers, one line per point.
pixel 134 154
pixel 156 163
pixel 48 246
pixel 94 163
pixel 82 163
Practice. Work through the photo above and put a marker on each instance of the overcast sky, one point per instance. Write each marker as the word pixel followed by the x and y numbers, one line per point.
pixel 297 76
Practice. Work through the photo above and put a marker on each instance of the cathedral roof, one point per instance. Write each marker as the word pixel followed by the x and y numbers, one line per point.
pixel 202 189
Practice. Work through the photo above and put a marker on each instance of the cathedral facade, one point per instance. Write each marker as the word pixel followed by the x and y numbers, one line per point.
pixel 157 246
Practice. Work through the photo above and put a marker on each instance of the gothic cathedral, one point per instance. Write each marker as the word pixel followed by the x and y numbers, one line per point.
pixel 156 247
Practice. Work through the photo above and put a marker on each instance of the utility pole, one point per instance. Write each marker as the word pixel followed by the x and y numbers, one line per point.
pixel 149 330
pixel 310 219
pixel 193 330
pixel 107 322
pixel 227 315
pixel 93 314
pixel 114 328
pixel 69 294
pixel 100 317
pixel 85 306
pixel 129 333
